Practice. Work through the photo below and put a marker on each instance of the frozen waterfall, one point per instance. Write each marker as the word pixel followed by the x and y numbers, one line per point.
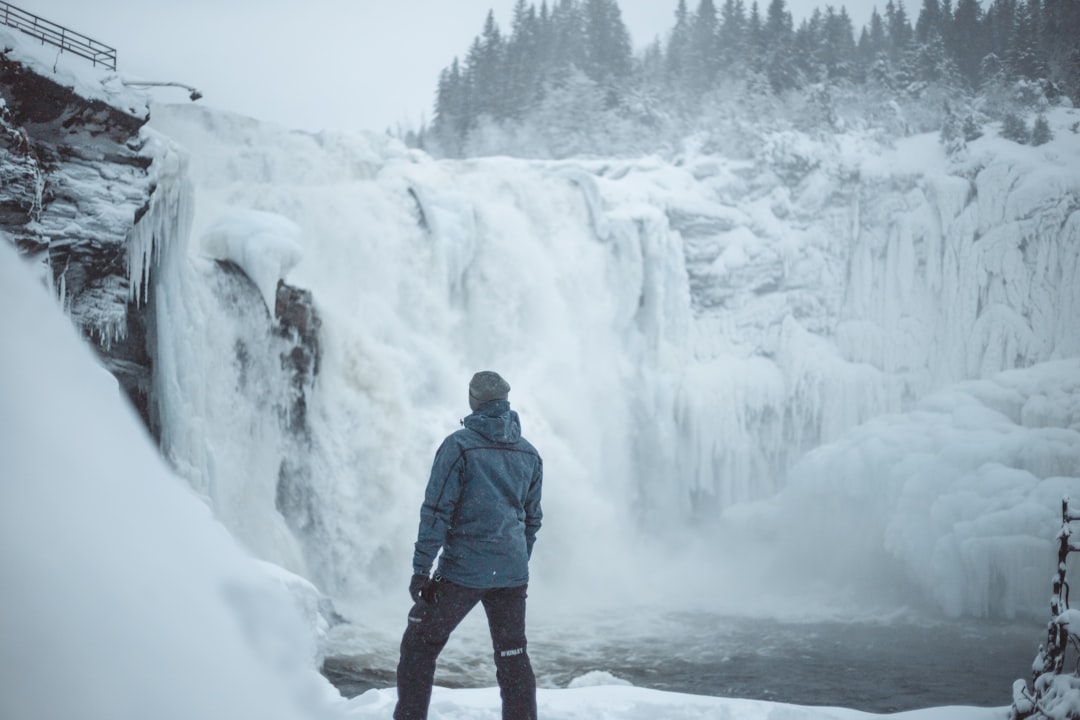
pixel 679 334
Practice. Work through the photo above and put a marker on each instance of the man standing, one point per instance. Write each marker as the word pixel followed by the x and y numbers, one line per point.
pixel 482 509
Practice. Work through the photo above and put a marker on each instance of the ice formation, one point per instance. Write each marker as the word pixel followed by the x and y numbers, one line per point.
pixel 678 334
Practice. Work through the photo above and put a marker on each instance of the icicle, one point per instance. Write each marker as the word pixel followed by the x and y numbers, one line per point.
pixel 168 215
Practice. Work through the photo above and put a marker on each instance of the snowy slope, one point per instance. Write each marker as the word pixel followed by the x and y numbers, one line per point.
pixel 123 596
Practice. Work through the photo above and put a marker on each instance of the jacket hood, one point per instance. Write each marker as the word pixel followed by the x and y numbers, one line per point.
pixel 495 421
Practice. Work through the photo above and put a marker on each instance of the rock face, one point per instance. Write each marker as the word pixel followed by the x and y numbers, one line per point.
pixel 298 323
pixel 77 176
pixel 75 182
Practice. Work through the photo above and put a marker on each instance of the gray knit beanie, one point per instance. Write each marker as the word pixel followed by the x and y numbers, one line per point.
pixel 486 386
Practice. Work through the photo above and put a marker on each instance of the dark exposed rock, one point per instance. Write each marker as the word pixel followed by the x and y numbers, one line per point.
pixel 73 183
pixel 299 322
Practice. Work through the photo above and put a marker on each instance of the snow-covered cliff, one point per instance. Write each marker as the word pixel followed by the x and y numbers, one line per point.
pixel 76 166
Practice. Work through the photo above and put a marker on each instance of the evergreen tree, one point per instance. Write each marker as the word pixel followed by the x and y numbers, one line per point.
pixel 969 46
pixel 947 22
pixel 755 36
pixel 809 48
pixel 1014 128
pixel 452 116
pixel 572 114
pixel 704 52
pixel 929 21
pixel 778 36
pixel 678 48
pixel 839 45
pixel 545 41
pixel 863 54
pixel 1025 55
pixel 1072 75
pixel 998 28
pixel 873 46
pixel 898 29
pixel 1040 133
pixel 952 133
pixel 732 39
pixel 972 131
pixel 609 55
pixel 933 63
pixel 652 68
pixel 484 70
pixel 569 44
pixel 877 35
pixel 1061 26
pixel 523 67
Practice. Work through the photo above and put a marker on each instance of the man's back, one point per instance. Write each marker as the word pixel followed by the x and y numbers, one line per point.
pixel 482 504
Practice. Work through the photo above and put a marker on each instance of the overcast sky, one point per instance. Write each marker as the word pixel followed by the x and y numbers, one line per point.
pixel 314 64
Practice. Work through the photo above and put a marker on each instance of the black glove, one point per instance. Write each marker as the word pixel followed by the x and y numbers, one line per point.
pixel 417 586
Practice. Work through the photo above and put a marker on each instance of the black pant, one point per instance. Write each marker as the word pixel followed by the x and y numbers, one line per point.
pixel 430 625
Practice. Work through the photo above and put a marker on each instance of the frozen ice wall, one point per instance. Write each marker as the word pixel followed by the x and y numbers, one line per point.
pixel 954 505
pixel 677 333
pixel 963 274
pixel 222 394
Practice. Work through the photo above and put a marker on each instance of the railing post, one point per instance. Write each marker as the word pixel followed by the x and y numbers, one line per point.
pixel 54 34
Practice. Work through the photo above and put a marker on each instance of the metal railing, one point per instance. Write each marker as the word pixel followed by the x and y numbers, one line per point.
pixel 58 35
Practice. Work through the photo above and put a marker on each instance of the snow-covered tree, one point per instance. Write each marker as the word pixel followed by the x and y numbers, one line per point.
pixel 704 50
pixel 1054 693
pixel 972 130
pixel 898 28
pixel 1010 58
pixel 523 68
pixel 929 21
pixel 1014 128
pixel 968 46
pixel 838 44
pixel 778 44
pixel 952 132
pixel 678 46
pixel 1040 132
pixel 608 53
pixel 732 35
pixel 1025 56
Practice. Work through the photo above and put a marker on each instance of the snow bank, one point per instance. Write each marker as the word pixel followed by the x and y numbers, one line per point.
pixel 123 597
pixel 629 703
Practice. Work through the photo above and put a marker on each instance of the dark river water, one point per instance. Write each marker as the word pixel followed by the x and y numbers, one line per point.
pixel 872 666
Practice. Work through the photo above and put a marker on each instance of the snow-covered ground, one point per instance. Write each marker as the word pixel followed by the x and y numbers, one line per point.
pixel 615 702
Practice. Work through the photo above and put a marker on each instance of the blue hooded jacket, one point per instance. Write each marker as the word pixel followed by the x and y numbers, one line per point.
pixel 482 504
